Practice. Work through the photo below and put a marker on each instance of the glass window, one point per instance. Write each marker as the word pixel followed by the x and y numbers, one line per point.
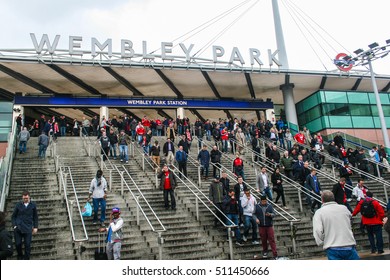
pixel 335 109
pixel 5 119
pixel 358 97
pixel 377 122
pixel 336 97
pixel 310 102
pixel 385 109
pixel 362 122
pixel 360 110
pixel 313 113
pixel 384 97
pixel 321 96
pixel 6 107
pixel 340 122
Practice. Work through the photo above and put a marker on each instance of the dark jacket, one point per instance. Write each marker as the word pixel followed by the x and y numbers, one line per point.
pixel 311 184
pixel 154 151
pixel 261 210
pixel 25 218
pixel 204 157
pixel 226 185
pixel 215 156
pixel 6 245
pixel 338 192
pixel 172 179
pixel 230 205
pixel 165 148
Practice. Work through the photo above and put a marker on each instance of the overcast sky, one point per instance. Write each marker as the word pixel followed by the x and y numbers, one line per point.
pixel 314 31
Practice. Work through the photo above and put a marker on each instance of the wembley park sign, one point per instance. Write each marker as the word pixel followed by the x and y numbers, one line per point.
pixel 104 51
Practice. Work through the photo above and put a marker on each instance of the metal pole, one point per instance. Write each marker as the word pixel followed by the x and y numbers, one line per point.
pixel 379 105
pixel 333 171
pixel 110 180
pixel 197 209
pixel 71 209
pixel 101 162
pixel 199 177
pixel 122 182
pixel 293 238
pixel 137 199
pixel 143 161
pixel 230 243
pixel 300 199
pixel 65 181
pixel 160 242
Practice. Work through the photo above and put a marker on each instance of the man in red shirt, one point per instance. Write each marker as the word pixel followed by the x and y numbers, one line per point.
pixel 373 224
pixel 140 130
pixel 238 166
pixel 300 138
pixel 168 185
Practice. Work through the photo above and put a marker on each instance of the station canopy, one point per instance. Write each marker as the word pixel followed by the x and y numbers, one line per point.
pixel 60 77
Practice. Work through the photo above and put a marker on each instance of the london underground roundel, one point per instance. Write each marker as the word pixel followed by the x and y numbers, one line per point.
pixel 342 63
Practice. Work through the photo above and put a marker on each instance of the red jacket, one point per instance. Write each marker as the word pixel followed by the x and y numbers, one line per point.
pixel 380 213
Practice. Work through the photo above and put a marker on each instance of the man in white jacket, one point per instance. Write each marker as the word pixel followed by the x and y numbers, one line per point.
pixel 114 235
pixel 332 229
pixel 248 204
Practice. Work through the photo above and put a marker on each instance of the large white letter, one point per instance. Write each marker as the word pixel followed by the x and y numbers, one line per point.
pixel 254 54
pixel 145 54
pixel 73 44
pixel 96 43
pixel 218 51
pixel 166 48
pixel 272 58
pixel 187 51
pixel 126 45
pixel 45 40
pixel 236 56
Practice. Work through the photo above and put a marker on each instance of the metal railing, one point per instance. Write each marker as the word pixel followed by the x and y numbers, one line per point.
pixel 6 167
pixel 200 197
pixel 92 148
pixel 278 210
pixel 337 162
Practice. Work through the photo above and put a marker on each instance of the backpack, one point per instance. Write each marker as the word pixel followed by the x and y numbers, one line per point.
pixel 367 209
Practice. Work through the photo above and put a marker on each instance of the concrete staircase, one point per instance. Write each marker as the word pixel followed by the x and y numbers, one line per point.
pixel 53 240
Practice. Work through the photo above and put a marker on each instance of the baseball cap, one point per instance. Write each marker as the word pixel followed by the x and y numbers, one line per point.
pixel 116 210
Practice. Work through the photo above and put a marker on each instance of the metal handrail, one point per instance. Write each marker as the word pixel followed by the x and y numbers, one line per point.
pixel 64 171
pixel 338 161
pixel 191 186
pixel 6 167
pixel 277 208
pixel 113 167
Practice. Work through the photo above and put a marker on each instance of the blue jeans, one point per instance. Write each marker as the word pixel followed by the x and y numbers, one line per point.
pixel 224 146
pixel 208 135
pixel 113 150
pixel 204 169
pixel 96 202
pixel 63 130
pixel 26 239
pixel 250 222
pixel 123 151
pixel 377 231
pixel 42 151
pixel 22 146
pixel 234 219
pixel 342 254
pixel 267 191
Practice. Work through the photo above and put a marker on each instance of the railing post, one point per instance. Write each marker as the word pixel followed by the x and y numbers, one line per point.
pixel 160 242
pixel 230 243
pixel 122 182
pixel 57 161
pixel 60 181
pixel 101 162
pixel 137 201
pixel 333 171
pixel 133 150
pixel 199 177
pixel 294 245
pixel 65 181
pixel 143 161
pixel 300 199
pixel 110 181
pixel 156 180
pixel 377 170
pixel 197 209
pixel 89 149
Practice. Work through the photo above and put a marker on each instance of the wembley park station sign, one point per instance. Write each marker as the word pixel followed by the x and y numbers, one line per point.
pixel 104 51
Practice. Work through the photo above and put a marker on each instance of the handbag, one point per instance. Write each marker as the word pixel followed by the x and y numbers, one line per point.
pixel 87 210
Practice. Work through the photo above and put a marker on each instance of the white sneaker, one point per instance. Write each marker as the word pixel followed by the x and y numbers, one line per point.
pixel 255 242
pixel 244 238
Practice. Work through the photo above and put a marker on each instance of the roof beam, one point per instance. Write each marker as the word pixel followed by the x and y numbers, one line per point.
pixel 386 88
pixel 211 84
pixel 258 115
pixel 74 79
pixel 6 95
pixel 24 79
pixel 123 81
pixel 323 82
pixel 163 114
pixel 87 112
pixel 357 83
pixel 250 85
pixel 228 114
pixel 196 113
pixel 169 83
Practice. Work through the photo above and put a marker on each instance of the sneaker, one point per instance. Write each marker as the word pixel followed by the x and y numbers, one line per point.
pixel 239 243
pixel 244 238
pixel 380 252
pixel 349 199
pixel 241 225
pixel 255 242
pixel 265 255
pixel 94 222
pixel 121 160
pixel 127 161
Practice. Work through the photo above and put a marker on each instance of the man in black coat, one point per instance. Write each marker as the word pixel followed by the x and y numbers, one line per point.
pixel 340 195
pixel 6 247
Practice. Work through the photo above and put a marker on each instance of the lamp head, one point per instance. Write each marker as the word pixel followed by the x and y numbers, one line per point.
pixel 358 51
pixel 373 45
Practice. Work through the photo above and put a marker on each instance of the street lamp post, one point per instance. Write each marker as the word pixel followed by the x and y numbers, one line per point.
pixel 365 57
